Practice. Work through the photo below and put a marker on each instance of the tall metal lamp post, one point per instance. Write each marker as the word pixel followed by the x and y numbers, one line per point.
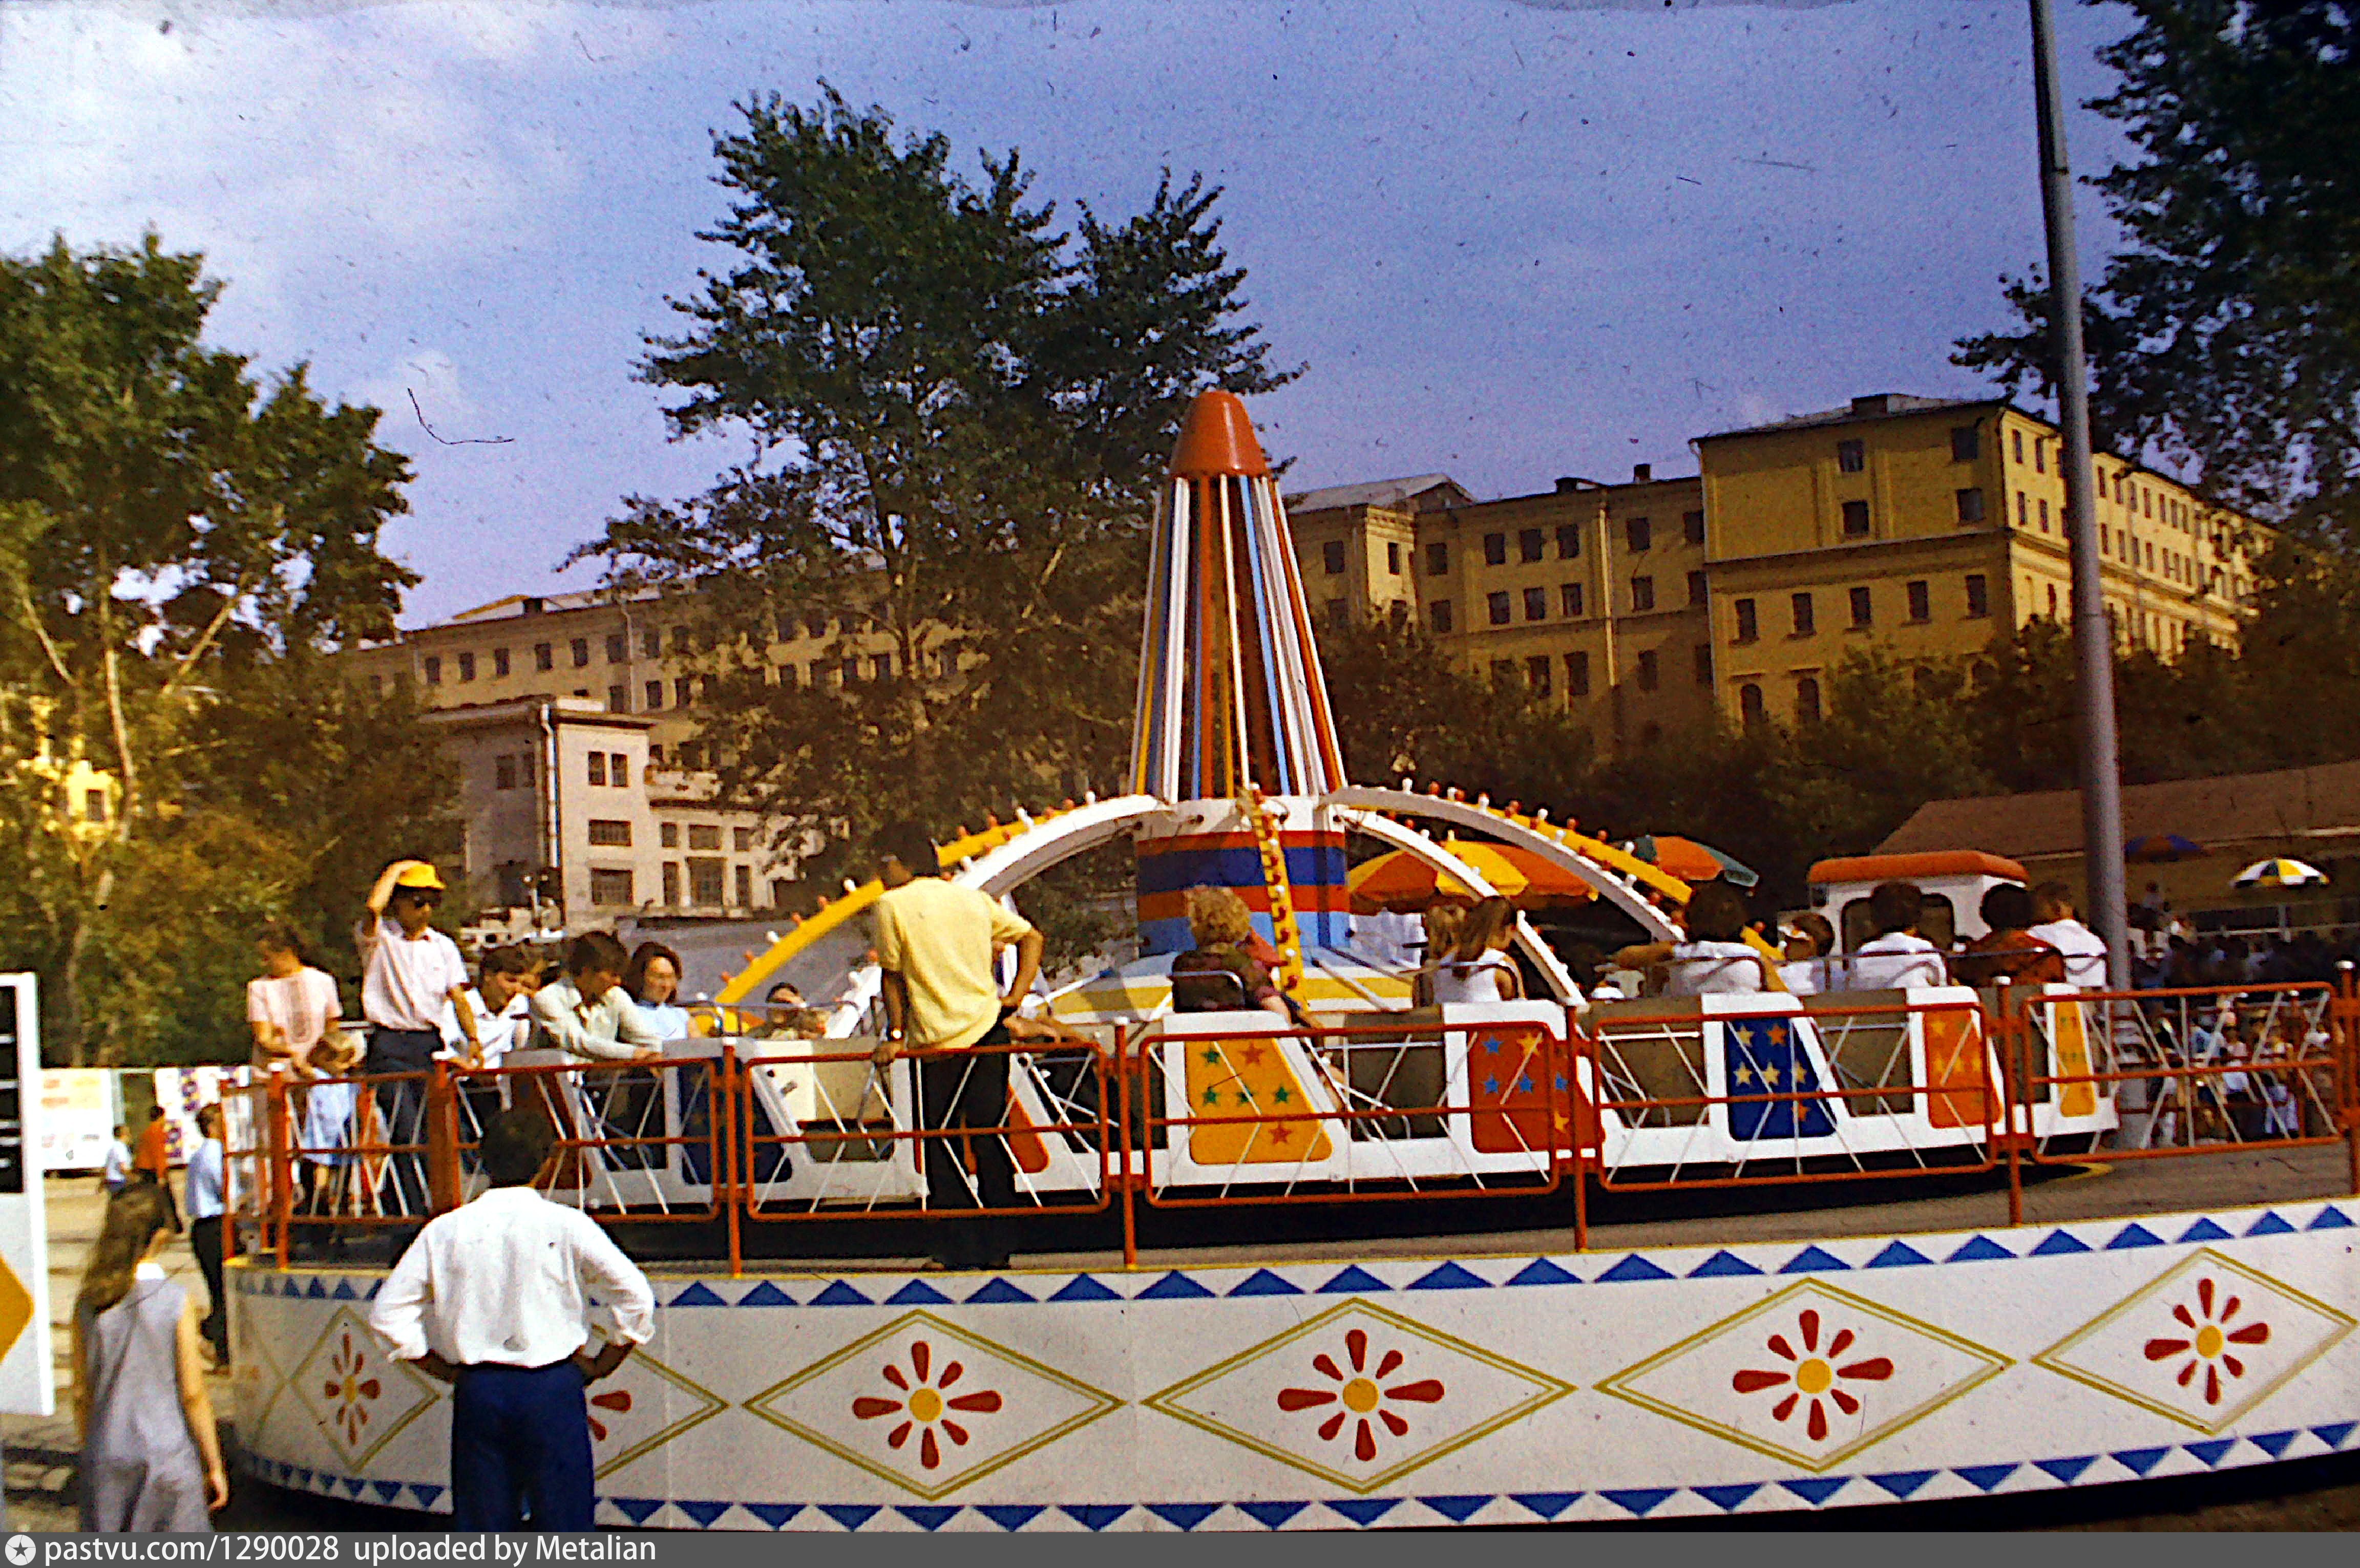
pixel 2093 635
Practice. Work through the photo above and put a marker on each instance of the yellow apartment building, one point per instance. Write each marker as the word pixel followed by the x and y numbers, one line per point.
pixel 1916 528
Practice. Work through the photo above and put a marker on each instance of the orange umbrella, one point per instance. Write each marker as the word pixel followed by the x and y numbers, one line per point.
pixel 1404 883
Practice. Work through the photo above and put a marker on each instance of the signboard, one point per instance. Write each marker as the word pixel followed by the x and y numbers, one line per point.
pixel 181 1091
pixel 26 1375
pixel 79 1109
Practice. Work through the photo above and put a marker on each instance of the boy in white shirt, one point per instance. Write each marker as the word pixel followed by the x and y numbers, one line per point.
pixel 409 970
pixel 1896 956
pixel 502 1004
pixel 2085 953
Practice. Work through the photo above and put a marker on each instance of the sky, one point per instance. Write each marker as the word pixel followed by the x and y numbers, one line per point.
pixel 1505 241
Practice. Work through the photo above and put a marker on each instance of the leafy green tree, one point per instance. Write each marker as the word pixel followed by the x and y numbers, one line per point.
pixel 178 539
pixel 2225 331
pixel 958 414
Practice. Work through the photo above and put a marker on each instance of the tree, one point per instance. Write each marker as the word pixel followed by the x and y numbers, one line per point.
pixel 177 538
pixel 958 413
pixel 2225 333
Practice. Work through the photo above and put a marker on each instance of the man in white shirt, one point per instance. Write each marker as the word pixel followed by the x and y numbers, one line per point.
pixel 1896 956
pixel 2085 953
pixel 502 1004
pixel 588 1012
pixel 409 971
pixel 494 1298
pixel 207 1191
pixel 117 1170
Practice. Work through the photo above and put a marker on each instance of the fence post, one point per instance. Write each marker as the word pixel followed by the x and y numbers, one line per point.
pixel 442 1179
pixel 276 1161
pixel 2015 1066
pixel 1122 1044
pixel 2346 1010
pixel 732 1195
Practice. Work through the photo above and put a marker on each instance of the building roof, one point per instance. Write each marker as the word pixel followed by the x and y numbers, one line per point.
pixel 1381 493
pixel 1875 405
pixel 2249 809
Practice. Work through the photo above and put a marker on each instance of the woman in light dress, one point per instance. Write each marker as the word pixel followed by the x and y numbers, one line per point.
pixel 293 1006
pixel 150 1458
pixel 1478 968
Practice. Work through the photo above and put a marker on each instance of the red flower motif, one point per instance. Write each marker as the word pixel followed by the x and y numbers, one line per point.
pixel 1363 1395
pixel 2207 1349
pixel 1814 1375
pixel 925 1407
pixel 615 1399
pixel 350 1390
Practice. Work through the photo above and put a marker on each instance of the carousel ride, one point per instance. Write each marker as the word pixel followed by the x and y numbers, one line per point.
pixel 1462 1376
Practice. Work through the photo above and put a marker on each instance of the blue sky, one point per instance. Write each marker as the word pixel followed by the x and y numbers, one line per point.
pixel 1508 241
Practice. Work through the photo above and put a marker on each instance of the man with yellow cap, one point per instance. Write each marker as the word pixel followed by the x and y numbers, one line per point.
pixel 409 971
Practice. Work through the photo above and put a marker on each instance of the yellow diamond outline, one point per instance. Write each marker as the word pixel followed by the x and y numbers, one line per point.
pixel 1995 1362
pixel 431 1391
pixel 258 1344
pixel 2203 1257
pixel 1166 1401
pixel 1101 1404
pixel 714 1405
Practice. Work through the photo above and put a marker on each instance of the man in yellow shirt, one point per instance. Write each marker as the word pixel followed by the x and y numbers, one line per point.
pixel 935 944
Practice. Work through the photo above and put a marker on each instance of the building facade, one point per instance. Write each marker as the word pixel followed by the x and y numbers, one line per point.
pixel 1918 529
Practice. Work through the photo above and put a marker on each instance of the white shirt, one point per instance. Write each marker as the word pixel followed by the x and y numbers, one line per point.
pixel 2085 955
pixel 1477 980
pixel 303 1005
pixel 612 1028
pixel 1703 968
pixel 1895 959
pixel 509 1279
pixel 1805 976
pixel 501 1032
pixel 117 1170
pixel 205 1181
pixel 407 982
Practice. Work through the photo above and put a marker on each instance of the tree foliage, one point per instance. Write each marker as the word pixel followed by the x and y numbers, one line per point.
pixel 2224 334
pixel 180 541
pixel 957 413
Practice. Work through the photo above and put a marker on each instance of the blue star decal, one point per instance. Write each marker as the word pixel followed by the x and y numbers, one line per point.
pixel 1490 1085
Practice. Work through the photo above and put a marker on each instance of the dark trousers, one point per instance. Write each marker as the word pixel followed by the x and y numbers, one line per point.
pixel 403 1105
pixel 205 1241
pixel 968 1089
pixel 520 1442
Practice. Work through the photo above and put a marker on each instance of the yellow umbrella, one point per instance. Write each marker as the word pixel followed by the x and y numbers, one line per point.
pixel 1404 882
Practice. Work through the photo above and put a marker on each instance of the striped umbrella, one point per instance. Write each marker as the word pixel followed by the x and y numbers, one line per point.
pixel 2155 847
pixel 2281 873
pixel 1692 862
pixel 1402 882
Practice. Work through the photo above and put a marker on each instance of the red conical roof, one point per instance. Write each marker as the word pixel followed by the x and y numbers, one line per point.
pixel 1218 439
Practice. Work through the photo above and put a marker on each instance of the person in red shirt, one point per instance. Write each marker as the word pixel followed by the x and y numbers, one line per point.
pixel 154 1160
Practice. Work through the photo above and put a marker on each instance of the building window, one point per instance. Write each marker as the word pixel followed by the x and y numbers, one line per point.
pixel 466 667
pixel 1971 506
pixel 1855 519
pixel 499 664
pixel 1537 603
pixel 1498 606
pixel 1805 615
pixel 654 692
pixel 2023 510
pixel 619 699
pixel 1536 675
pixel 707 883
pixel 610 834
pixel 1966 443
pixel 1529 545
pixel 1495 550
pixel 1862 613
pixel 433 670
pixel 745 886
pixel 669 835
pixel 1643 594
pixel 1921 601
pixel 1978 595
pixel 544 657
pixel 1568 542
pixel 741 840
pixel 1806 700
pixel 1437 559
pixel 598 767
pixel 1393 557
pixel 580 647
pixel 1748 628
pixel 1704 664
pixel 1438 614
pixel 684 692
pixel 1331 557
pixel 610 889
pixel 1852 456
pixel 1638 534
pixel 1696 591
pixel 504 773
pixel 703 835
pixel 1577 675
pixel 2052 601
pixel 1502 672
pixel 1692 527
pixel 2044 517
pixel 1750 710
pixel 1651 675
pixel 2039 456
pixel 619 770
pixel 671 884
pixel 880 668
pixel 619 647
pixel 1568 600
pixel 2019 445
